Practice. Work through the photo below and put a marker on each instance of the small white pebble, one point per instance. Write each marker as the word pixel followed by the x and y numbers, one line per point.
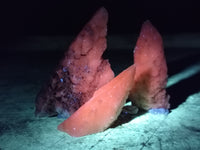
pixel 156 111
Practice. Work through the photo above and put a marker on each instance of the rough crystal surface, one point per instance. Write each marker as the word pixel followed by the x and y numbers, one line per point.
pixel 80 73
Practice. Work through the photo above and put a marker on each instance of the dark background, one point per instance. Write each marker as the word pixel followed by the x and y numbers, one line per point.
pixel 33 25
pixel 64 17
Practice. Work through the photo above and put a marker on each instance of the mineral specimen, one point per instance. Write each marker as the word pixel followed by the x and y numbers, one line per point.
pixel 151 70
pixel 102 109
pixel 80 73
pixel 84 89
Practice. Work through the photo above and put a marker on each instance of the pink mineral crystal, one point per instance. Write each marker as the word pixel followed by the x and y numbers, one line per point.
pixel 151 70
pixel 80 73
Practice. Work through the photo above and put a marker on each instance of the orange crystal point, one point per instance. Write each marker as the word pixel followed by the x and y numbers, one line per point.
pixel 151 70
pixel 80 73
pixel 102 109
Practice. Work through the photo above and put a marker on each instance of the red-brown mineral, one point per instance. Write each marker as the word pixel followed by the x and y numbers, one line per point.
pixel 102 109
pixel 144 83
pixel 80 73
pixel 151 70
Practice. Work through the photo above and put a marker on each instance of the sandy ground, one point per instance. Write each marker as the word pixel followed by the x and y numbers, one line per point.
pixel 23 73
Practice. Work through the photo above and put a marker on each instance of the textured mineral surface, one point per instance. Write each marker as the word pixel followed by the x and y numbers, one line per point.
pixel 80 73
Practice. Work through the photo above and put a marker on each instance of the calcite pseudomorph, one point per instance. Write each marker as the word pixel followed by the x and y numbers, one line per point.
pixel 80 73
pixel 84 88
